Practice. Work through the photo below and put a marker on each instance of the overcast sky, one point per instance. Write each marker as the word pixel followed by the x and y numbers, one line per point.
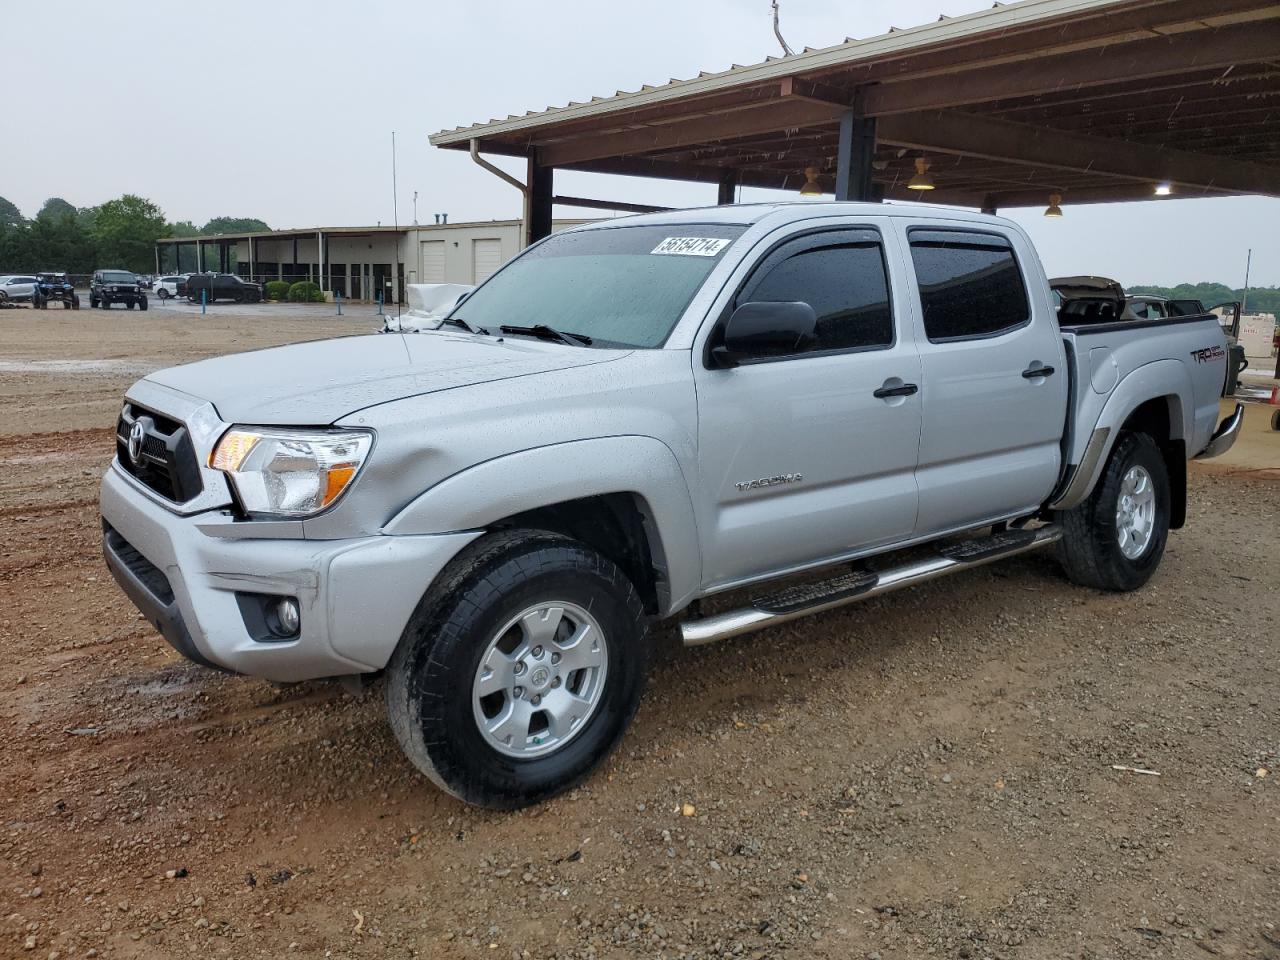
pixel 283 109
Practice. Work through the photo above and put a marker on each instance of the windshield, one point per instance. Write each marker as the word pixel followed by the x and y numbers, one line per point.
pixel 620 286
pixel 117 276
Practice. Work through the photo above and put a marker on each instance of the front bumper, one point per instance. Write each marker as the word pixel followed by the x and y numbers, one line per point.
pixel 1225 436
pixel 185 574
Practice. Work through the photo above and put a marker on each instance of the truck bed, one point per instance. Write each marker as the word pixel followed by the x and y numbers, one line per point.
pixel 1177 358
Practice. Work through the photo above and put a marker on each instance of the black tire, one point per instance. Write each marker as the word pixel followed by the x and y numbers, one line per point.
pixel 142 304
pixel 75 301
pixel 430 677
pixel 1275 420
pixel 130 304
pixel 162 293
pixel 1090 548
pixel 104 303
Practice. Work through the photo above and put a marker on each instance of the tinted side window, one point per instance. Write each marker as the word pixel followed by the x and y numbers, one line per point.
pixel 843 278
pixel 970 284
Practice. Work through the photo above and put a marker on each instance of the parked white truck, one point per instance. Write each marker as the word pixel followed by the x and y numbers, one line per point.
pixel 629 417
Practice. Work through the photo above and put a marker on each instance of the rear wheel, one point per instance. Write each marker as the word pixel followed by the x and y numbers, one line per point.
pixel 520 669
pixel 1116 538
pixel 162 293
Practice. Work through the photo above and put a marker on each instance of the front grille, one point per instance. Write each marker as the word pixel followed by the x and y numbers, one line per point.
pixel 151 576
pixel 166 461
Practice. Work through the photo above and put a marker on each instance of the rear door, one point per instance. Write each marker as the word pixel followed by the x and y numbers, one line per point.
pixel 432 261
pixel 801 460
pixel 21 287
pixel 992 373
pixel 486 258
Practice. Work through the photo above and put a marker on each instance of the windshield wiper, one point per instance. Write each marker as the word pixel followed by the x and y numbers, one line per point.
pixel 544 332
pixel 465 325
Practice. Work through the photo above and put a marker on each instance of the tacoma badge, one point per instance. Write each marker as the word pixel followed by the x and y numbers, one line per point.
pixel 745 485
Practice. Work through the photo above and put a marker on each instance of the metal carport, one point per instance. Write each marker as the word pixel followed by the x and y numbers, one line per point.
pixel 1092 100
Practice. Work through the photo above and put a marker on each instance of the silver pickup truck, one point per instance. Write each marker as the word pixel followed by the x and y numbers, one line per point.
pixel 625 419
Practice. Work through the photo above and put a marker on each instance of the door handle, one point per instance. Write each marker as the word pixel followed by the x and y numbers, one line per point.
pixel 1032 372
pixel 905 390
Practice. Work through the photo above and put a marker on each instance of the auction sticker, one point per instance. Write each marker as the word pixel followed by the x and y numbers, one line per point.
pixel 691 246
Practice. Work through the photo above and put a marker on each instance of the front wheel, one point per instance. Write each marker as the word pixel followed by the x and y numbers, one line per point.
pixel 520 669
pixel 1116 538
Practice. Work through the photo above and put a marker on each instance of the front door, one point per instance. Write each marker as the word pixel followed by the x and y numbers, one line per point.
pixel 811 456
pixel 995 387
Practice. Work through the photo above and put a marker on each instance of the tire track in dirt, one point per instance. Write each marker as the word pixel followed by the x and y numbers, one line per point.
pixel 86 442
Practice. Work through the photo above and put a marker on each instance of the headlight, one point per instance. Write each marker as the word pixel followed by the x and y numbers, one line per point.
pixel 292 473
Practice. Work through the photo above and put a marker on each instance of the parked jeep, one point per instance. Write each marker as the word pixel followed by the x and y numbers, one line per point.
pixel 221 286
pixel 626 419
pixel 116 286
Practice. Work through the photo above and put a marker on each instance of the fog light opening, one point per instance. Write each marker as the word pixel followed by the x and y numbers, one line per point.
pixel 286 619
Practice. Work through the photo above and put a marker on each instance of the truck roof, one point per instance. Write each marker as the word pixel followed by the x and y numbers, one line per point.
pixel 745 214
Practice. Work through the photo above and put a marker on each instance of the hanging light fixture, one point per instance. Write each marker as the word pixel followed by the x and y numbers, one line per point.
pixel 811 187
pixel 1055 205
pixel 1163 189
pixel 922 180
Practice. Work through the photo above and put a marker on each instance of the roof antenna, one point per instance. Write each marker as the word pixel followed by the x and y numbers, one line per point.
pixel 778 33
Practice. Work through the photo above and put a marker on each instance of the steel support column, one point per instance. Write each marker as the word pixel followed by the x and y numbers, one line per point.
pixel 857 148
pixel 320 252
pixel 728 187
pixel 539 202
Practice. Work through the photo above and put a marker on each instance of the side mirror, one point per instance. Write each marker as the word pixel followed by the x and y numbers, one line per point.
pixel 766 329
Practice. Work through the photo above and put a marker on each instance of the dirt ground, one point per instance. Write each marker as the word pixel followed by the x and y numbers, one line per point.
pixel 928 774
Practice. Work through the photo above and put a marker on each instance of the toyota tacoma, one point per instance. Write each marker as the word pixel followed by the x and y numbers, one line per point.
pixel 628 418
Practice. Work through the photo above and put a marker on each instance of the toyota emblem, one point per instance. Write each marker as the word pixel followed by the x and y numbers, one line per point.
pixel 137 433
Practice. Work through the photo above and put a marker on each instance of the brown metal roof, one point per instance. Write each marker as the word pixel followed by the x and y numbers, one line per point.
pixel 1093 99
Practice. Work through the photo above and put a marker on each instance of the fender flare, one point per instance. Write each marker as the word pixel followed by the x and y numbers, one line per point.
pixel 1160 379
pixel 482 495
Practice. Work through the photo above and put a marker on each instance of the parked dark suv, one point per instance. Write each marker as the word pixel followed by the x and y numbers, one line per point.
pixel 116 286
pixel 221 286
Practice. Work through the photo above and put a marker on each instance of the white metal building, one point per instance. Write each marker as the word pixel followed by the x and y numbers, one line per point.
pixel 360 263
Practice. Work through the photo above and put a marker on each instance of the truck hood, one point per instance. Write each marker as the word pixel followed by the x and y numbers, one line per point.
pixel 317 383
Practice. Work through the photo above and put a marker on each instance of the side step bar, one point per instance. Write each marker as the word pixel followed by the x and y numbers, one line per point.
pixel 800 601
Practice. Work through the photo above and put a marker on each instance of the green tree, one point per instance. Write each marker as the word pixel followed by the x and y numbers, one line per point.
pixel 55 208
pixel 125 232
pixel 10 216
pixel 234 225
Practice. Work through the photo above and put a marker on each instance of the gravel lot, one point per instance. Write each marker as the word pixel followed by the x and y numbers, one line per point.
pixel 928 774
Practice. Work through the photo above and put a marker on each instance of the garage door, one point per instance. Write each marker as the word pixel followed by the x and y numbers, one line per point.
pixel 433 261
pixel 486 258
